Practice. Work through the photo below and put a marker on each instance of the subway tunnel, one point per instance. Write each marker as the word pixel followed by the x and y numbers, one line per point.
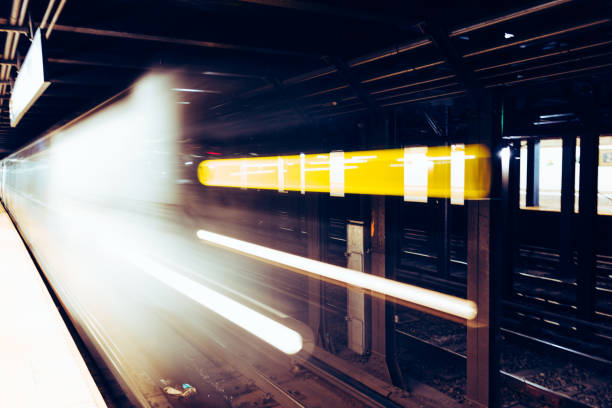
pixel 261 203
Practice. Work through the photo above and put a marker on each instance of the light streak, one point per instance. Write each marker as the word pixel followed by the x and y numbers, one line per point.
pixel 425 173
pixel 269 330
pixel 452 305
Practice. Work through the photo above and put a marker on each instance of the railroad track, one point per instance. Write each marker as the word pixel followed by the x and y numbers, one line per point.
pixel 247 374
pixel 418 346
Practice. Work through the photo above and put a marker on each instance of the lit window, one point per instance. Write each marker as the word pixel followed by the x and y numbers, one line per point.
pixel 523 175
pixel 604 176
pixel 577 178
pixel 546 175
pixel 551 157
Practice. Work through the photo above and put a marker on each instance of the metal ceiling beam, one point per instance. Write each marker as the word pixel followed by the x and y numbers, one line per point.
pixel 12 29
pixel 508 17
pixel 539 55
pixel 11 63
pixel 539 37
pixel 442 41
pixel 179 41
pixel 282 91
pixel 343 12
pixel 426 98
pixel 146 67
pixel 354 83
pixel 577 71
pixel 433 124
pixel 163 39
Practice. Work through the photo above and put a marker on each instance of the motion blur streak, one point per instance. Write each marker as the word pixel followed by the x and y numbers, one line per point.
pixel 286 340
pixel 413 172
pixel 434 300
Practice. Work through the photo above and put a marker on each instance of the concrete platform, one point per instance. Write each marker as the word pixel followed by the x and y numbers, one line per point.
pixel 40 365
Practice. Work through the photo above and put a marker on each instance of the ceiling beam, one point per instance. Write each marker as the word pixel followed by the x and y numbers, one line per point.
pixel 12 29
pixel 179 41
pixel 342 12
pixel 442 41
pixel 120 64
pixel 354 83
pixel 11 63
pixel 282 91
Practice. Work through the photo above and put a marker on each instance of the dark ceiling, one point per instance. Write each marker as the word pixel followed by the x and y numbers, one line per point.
pixel 316 59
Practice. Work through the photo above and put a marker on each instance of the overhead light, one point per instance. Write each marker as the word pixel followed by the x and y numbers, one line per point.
pixel 188 90
pixel 549 122
pixel 505 153
pixel 183 103
pixel 508 35
pixel 555 115
pixel 195 90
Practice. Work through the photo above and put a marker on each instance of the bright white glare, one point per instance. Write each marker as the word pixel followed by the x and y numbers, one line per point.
pixel 272 332
pixel 555 115
pixel 457 159
pixel 416 169
pixel 508 35
pixel 188 90
pixel 188 163
pixel 505 153
pixel 434 300
pixel 336 174
pixel 302 173
pixel 130 131
pixel 184 103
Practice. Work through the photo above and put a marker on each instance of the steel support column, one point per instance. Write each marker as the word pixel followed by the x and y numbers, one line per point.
pixel 568 180
pixel 589 162
pixel 482 281
pixel 314 251
pixel 392 234
pixel 510 210
pixel 378 268
pixel 533 173
pixel 389 243
pixel 441 207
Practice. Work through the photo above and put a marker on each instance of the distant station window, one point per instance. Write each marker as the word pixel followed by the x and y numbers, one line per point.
pixel 523 175
pixel 577 177
pixel 540 178
pixel 551 153
pixel 546 176
pixel 604 177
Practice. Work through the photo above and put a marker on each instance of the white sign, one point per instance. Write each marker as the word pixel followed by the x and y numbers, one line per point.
pixel 30 82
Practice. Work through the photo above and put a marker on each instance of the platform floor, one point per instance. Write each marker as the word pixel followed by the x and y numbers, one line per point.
pixel 40 365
